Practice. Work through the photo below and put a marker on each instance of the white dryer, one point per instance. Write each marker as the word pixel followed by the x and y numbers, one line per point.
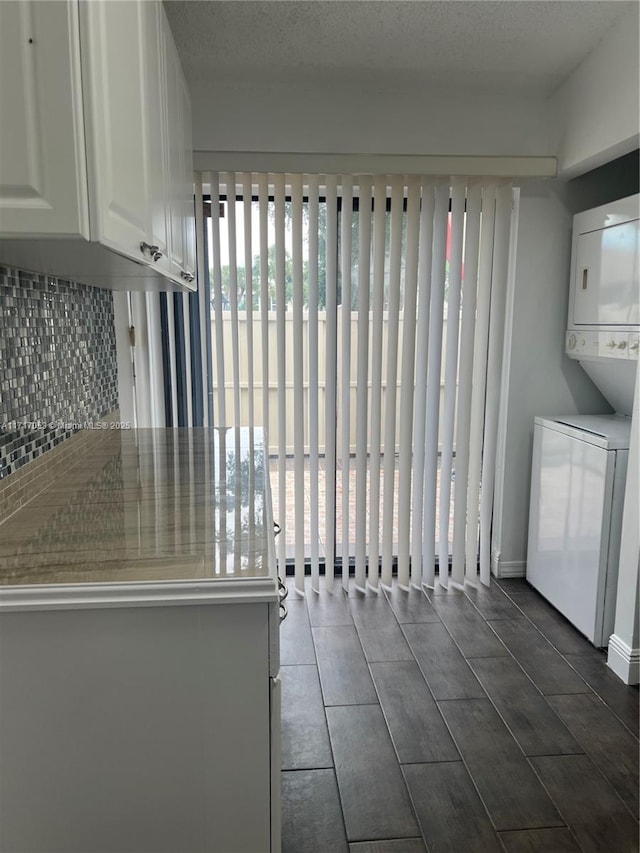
pixel 577 496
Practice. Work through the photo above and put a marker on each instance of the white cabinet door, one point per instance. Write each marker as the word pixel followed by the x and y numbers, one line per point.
pixel 157 135
pixel 42 164
pixel 189 218
pixel 175 151
pixel 117 123
pixel 179 163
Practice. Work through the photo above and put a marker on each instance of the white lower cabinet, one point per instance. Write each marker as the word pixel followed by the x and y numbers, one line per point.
pixel 96 180
pixel 140 728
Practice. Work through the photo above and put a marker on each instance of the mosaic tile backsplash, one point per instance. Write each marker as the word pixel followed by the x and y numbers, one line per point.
pixel 58 368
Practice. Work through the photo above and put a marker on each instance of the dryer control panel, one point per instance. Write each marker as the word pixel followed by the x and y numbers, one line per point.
pixel 604 343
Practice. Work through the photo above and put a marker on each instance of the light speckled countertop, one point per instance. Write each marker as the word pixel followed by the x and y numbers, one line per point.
pixel 148 506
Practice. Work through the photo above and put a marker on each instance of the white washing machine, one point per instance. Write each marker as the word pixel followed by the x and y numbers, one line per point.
pixel 577 495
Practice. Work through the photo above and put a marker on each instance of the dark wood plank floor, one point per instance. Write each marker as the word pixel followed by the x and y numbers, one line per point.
pixel 479 721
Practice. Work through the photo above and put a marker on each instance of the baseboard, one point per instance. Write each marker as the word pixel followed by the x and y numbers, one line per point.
pixel 624 660
pixel 507 569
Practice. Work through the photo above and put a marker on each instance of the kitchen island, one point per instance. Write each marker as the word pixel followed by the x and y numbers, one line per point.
pixel 139 654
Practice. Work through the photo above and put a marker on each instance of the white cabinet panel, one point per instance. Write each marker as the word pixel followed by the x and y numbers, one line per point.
pixel 179 163
pixel 136 728
pixel 156 143
pixel 42 163
pixel 189 218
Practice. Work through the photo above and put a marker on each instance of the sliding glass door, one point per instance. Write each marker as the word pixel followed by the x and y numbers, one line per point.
pixel 357 319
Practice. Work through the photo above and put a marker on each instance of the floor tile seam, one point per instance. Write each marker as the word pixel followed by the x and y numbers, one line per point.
pixel 334 771
pixel 322 693
pixel 421 589
pixel 385 716
pixel 315 767
pixel 591 755
pixel 468 597
pixel 536 626
pixel 303 600
pixel 471 779
pixel 524 755
pixel 519 747
pixel 510 731
pixel 569 829
pixel 305 769
pixel 634 735
pixel 587 686
pixel 554 754
pixel 535 828
pixel 597 770
pixel 394 838
pixel 460 650
pixel 540 693
pixel 344 822
pixel 422 673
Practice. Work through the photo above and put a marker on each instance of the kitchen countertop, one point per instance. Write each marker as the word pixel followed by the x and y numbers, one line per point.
pixel 148 507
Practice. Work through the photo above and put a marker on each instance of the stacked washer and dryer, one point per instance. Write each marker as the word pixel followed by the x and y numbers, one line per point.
pixel 580 461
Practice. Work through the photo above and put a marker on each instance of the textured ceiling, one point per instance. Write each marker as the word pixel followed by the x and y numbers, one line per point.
pixel 519 46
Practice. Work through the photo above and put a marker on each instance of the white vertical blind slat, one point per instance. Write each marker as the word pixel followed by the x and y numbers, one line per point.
pixel 395 261
pixel 298 377
pixel 346 242
pixel 186 319
pixel 263 214
pixel 425 255
pixel 465 377
pixel 407 390
pixel 313 196
pixel 494 371
pixel 279 197
pixel 433 381
pixel 173 373
pixel 331 368
pixel 364 274
pixel 233 294
pixel 247 200
pixel 379 214
pixel 221 416
pixel 451 366
pixel 205 320
pixel 476 434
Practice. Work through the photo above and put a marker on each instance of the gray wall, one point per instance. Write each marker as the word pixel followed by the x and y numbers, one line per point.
pixel 541 379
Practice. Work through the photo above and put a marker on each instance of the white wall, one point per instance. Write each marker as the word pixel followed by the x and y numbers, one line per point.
pixel 348 120
pixel 598 107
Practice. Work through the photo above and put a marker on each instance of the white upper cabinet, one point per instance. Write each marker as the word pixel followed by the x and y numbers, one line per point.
pixel 94 144
pixel 182 219
pixel 117 122
pixel 42 151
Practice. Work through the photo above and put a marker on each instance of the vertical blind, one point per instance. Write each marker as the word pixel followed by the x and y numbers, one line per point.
pixel 360 320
